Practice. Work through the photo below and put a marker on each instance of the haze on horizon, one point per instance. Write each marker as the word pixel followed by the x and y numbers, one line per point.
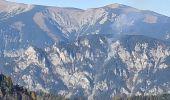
pixel 158 6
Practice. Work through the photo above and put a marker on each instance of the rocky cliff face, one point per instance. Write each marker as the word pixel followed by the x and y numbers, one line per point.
pixel 94 67
pixel 95 53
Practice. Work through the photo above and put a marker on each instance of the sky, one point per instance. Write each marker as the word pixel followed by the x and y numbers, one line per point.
pixel 159 6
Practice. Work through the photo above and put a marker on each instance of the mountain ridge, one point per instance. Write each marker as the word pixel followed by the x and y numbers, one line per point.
pixel 64 24
pixel 113 4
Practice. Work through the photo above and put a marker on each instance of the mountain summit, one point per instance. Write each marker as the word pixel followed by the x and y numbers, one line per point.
pixel 28 23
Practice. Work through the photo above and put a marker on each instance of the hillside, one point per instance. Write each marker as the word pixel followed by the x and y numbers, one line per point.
pixel 96 54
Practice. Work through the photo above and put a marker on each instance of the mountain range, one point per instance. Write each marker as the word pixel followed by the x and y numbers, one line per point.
pixel 97 53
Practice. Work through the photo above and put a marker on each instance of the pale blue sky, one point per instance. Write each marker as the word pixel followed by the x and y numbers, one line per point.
pixel 160 6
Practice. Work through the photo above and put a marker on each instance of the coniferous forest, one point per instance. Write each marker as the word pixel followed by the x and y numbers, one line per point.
pixel 8 91
pixel 148 97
